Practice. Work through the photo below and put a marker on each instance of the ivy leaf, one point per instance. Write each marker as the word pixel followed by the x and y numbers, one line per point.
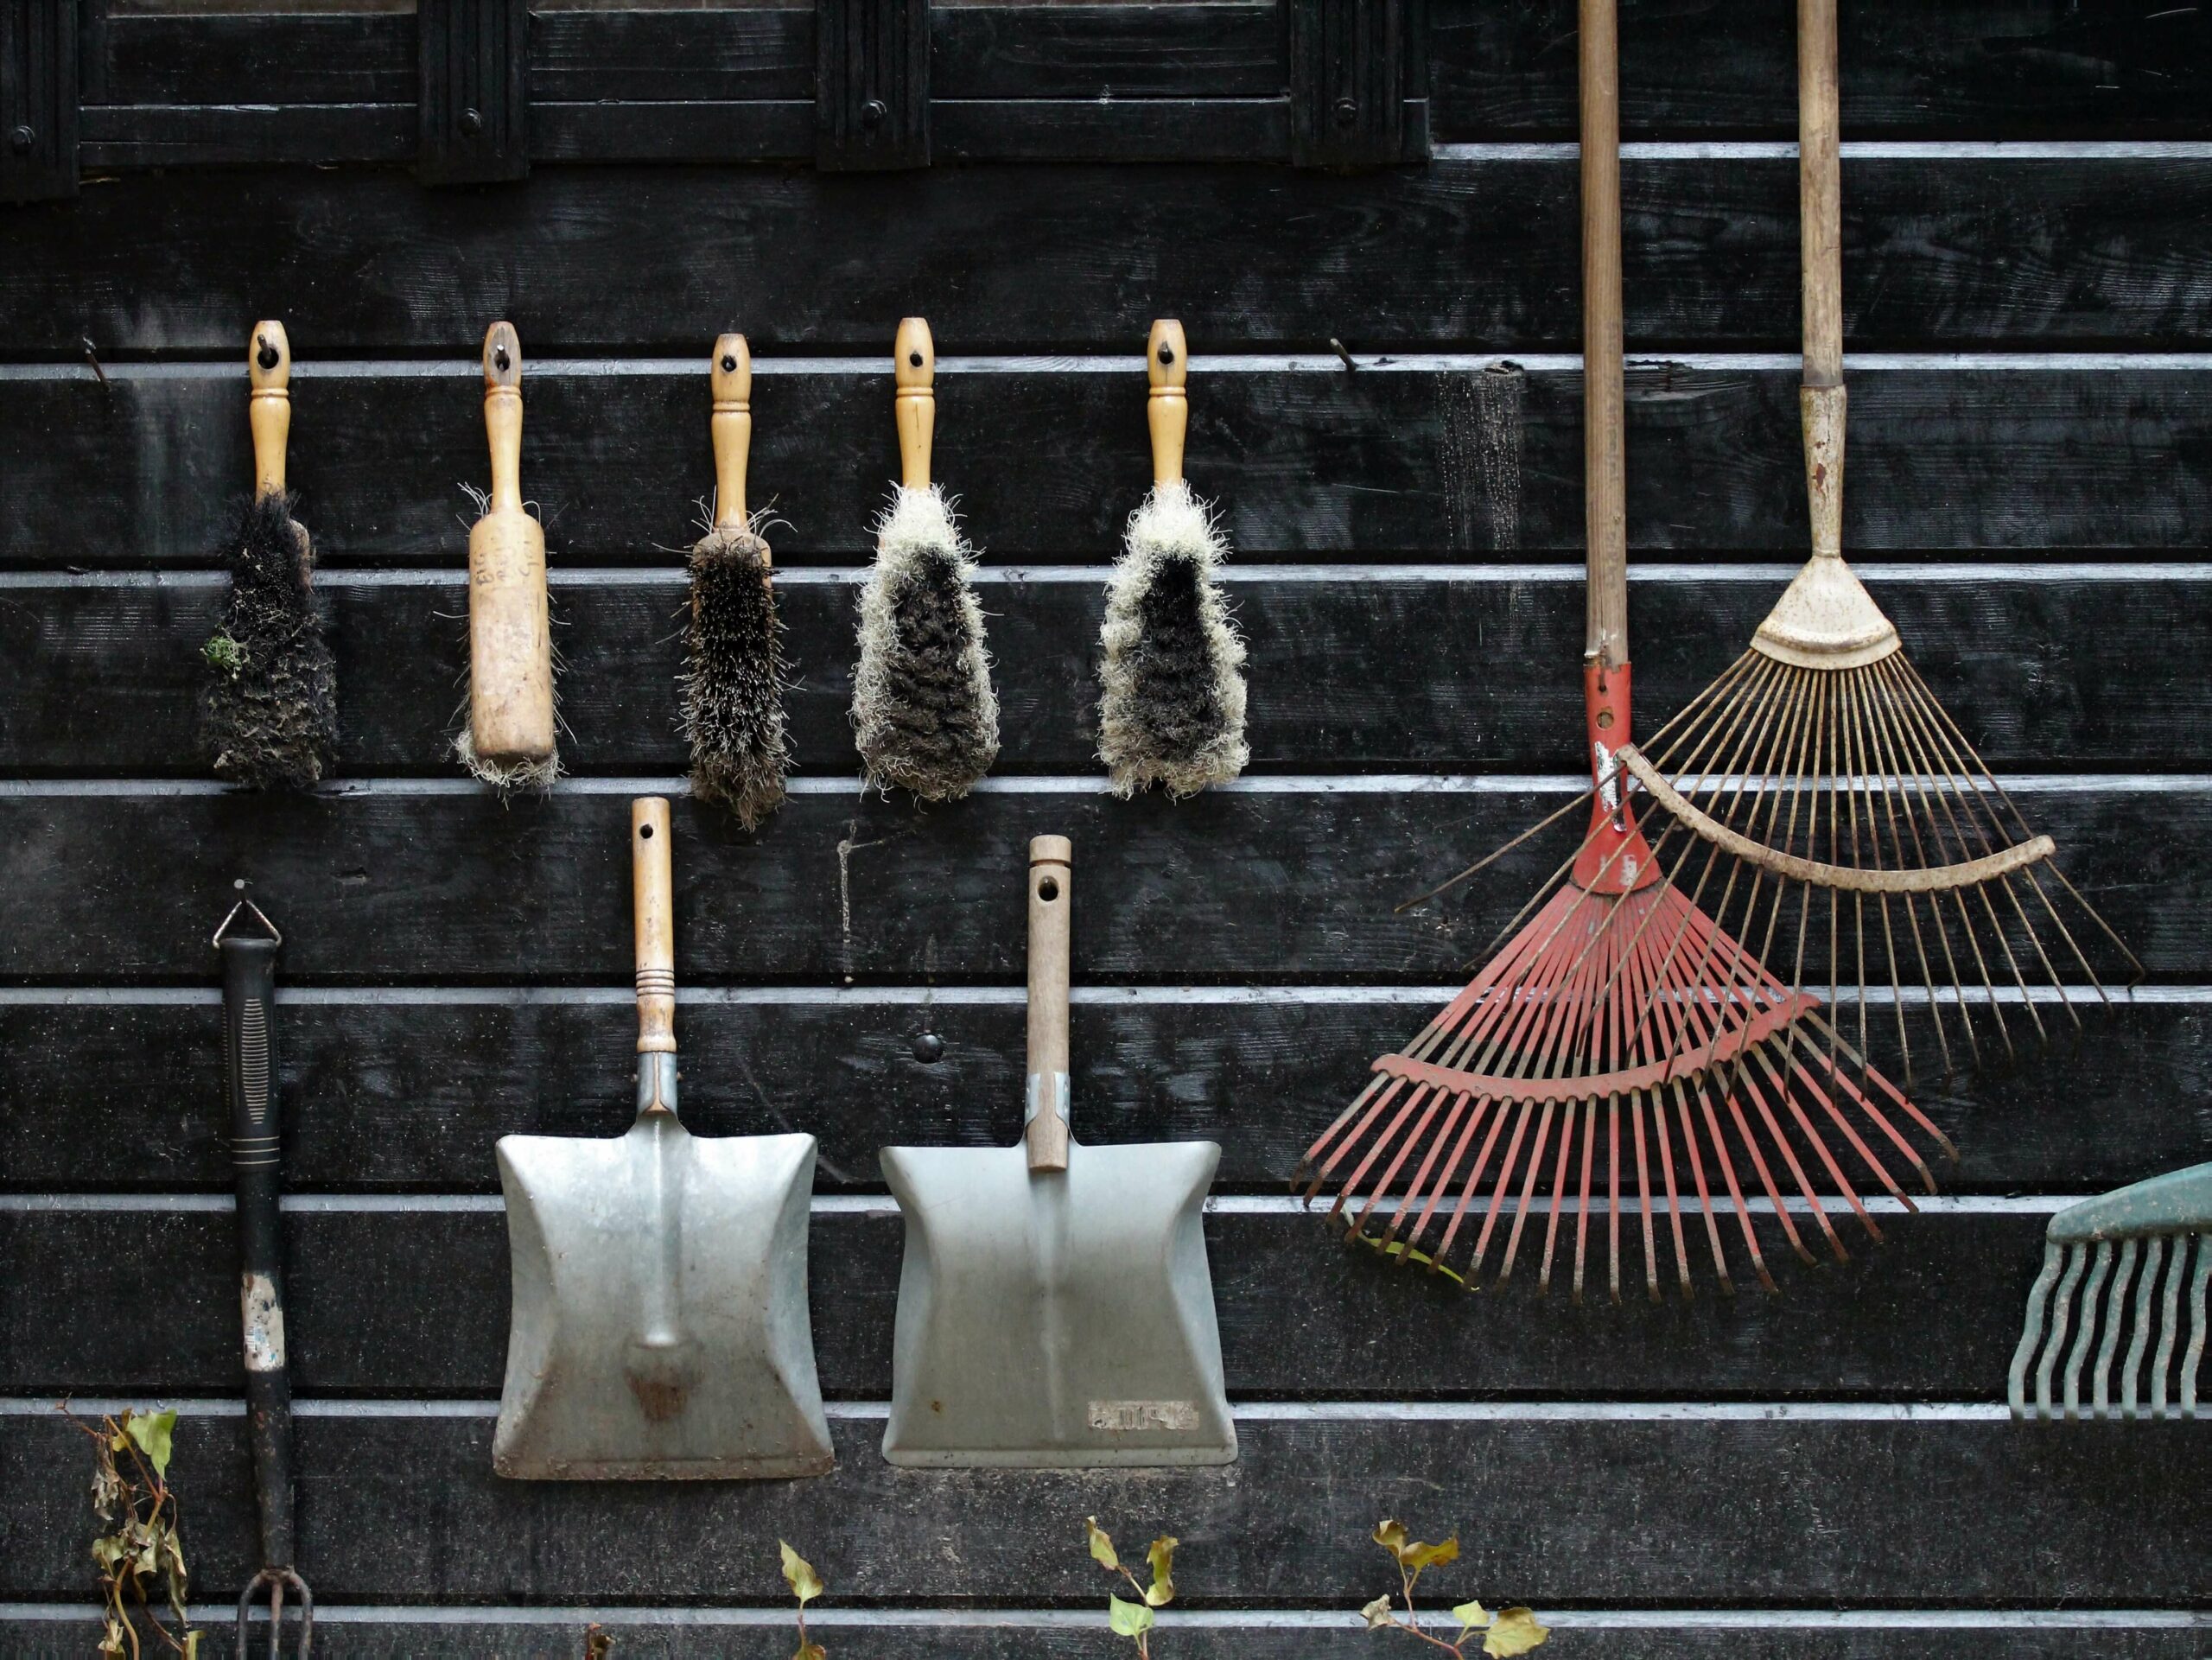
pixel 1102 1545
pixel 1515 1632
pixel 811 1651
pixel 1161 1555
pixel 799 1575
pixel 1418 1556
pixel 192 1645
pixel 153 1432
pixel 1377 1614
pixel 1472 1616
pixel 1391 1536
pixel 1128 1618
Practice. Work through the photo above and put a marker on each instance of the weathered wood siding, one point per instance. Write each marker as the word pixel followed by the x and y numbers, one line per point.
pixel 2028 270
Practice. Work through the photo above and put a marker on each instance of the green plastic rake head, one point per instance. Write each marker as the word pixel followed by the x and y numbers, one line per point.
pixel 2121 1267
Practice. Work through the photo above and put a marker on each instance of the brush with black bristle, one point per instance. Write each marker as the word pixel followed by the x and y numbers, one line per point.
pixel 734 658
pixel 923 712
pixel 268 712
pixel 1171 709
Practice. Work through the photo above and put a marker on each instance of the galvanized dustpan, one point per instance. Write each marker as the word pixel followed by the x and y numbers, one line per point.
pixel 660 1327
pixel 1055 1310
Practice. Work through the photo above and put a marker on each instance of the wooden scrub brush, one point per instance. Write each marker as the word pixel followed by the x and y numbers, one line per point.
pixel 268 711
pixel 923 712
pixel 734 670
pixel 1171 706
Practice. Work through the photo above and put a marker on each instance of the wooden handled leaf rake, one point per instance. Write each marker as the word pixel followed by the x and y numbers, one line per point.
pixel 1880 855
pixel 1624 1052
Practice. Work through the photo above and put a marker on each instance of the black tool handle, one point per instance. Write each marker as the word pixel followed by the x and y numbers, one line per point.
pixel 256 1154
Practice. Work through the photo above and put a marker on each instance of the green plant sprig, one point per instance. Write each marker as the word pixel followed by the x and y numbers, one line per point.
pixel 1134 1619
pixel 806 1584
pixel 1510 1631
pixel 131 1490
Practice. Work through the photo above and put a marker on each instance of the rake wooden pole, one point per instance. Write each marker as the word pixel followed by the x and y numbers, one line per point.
pixel 1623 1051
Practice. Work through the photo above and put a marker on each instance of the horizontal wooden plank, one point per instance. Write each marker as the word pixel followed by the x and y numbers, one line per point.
pixel 1939 69
pixel 1241 885
pixel 232 135
pixel 1743 1512
pixel 1234 48
pixel 354 1633
pixel 590 54
pixel 1377 464
pixel 1478 248
pixel 398 1090
pixel 2085 669
pixel 282 59
pixel 415 1303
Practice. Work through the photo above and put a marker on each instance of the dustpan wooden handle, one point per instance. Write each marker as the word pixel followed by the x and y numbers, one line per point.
pixel 914 368
pixel 1604 464
pixel 268 412
pixel 1051 908
pixel 1167 408
pixel 653 914
pixel 731 425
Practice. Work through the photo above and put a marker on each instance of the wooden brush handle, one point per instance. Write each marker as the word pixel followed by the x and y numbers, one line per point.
pixel 510 635
pixel 914 365
pixel 1168 411
pixel 1819 206
pixel 1050 904
pixel 1605 466
pixel 269 411
pixel 652 904
pixel 731 376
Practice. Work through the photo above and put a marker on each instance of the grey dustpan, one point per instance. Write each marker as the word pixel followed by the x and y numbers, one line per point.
pixel 660 1327
pixel 1055 1309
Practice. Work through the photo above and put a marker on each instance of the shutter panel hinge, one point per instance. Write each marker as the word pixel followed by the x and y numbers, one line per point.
pixel 872 85
pixel 1358 82
pixel 38 99
pixel 475 111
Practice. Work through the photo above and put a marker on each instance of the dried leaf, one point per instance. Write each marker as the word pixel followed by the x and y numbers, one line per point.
pixel 1102 1545
pixel 1378 1614
pixel 111 1637
pixel 799 1575
pixel 154 1433
pixel 1161 1555
pixel 1128 1618
pixel 192 1645
pixel 1515 1632
pixel 1472 1616
pixel 599 1642
pixel 1391 1536
pixel 809 1652
pixel 1418 1556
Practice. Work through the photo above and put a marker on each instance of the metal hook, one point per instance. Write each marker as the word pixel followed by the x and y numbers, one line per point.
pixel 276 1579
pixel 246 904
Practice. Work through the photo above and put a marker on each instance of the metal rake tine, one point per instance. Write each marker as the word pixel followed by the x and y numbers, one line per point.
pixel 1673 1197
pixel 1704 1192
pixel 2115 1307
pixel 1643 1197
pixel 1558 1197
pixel 2100 1269
pixel 2062 1316
pixel 2154 1259
pixel 2195 1354
pixel 1495 854
pixel 2032 1333
pixel 1528 1193
pixel 2162 1362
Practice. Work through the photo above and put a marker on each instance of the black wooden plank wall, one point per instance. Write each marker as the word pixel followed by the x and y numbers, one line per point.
pixel 2028 191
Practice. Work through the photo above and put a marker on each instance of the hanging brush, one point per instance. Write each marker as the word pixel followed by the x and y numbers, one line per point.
pixel 734 673
pixel 1864 843
pixel 1622 1059
pixel 1171 710
pixel 268 712
pixel 923 712
pixel 509 739
pixel 2134 1246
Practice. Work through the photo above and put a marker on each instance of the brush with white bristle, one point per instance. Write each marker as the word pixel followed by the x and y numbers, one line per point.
pixel 924 713
pixel 734 659
pixel 1171 710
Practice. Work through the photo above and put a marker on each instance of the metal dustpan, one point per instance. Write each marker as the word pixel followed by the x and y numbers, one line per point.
pixel 660 1328
pixel 1055 1310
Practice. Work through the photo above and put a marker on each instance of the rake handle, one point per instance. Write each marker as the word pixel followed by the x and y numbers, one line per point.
pixel 1820 206
pixel 1051 906
pixel 914 405
pixel 1605 466
pixel 730 375
pixel 269 411
pixel 652 906
pixel 1167 407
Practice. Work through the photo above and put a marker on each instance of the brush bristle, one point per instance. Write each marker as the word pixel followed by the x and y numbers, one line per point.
pixel 1172 705
pixel 733 708
pixel 923 712
pixel 268 713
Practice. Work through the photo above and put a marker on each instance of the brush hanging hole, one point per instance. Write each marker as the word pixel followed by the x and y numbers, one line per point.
pixel 729 364
pixel 645 832
pixel 915 358
pixel 500 358
pixel 1048 890
pixel 267 357
pixel 1166 354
